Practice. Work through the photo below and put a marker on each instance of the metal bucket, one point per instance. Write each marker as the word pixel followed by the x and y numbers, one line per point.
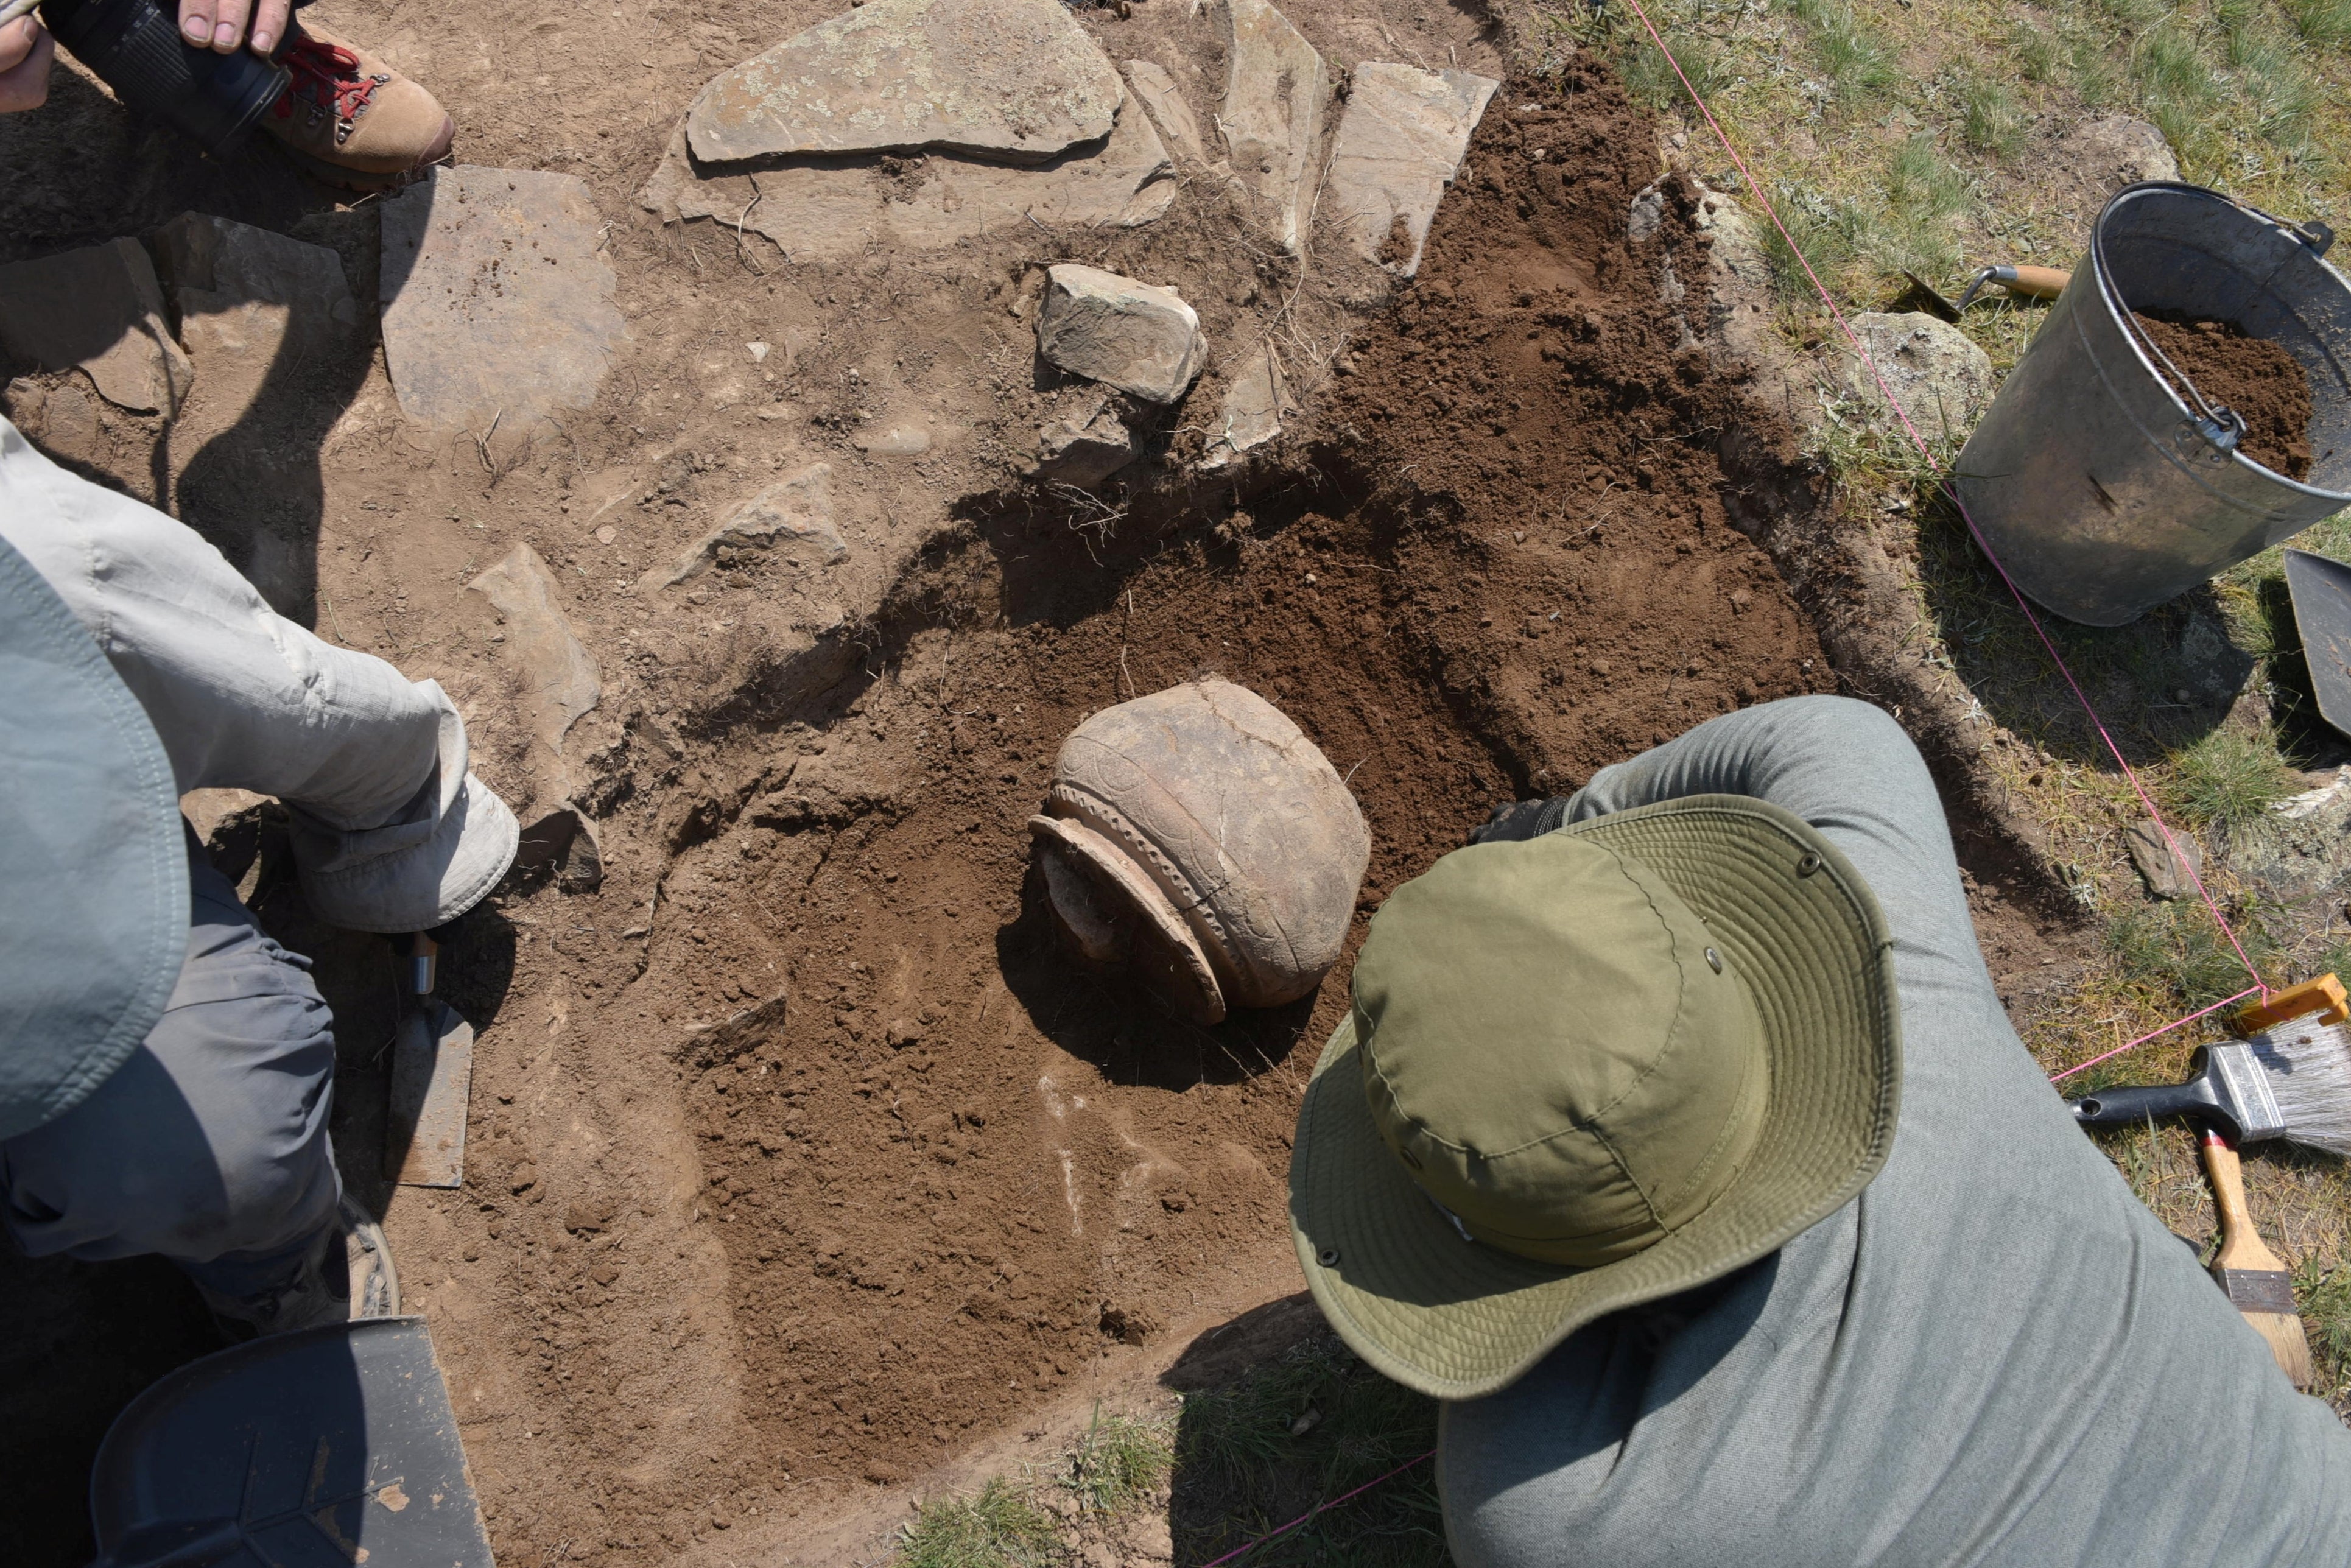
pixel 2102 492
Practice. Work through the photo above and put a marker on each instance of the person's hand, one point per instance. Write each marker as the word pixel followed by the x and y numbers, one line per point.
pixel 25 50
pixel 220 25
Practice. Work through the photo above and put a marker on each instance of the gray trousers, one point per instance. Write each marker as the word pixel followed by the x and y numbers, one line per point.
pixel 210 1145
pixel 1996 1354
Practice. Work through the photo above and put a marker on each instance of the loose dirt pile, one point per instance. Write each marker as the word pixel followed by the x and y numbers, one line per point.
pixel 2257 378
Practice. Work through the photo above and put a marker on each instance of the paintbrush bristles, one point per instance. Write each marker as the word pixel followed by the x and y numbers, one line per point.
pixel 2308 1065
pixel 2289 1344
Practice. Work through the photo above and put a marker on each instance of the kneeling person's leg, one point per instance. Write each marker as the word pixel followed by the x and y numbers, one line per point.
pixel 209 1145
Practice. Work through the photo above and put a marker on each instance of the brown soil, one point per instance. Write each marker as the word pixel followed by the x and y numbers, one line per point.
pixel 2257 378
pixel 800 1160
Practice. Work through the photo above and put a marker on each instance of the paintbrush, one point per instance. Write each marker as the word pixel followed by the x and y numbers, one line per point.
pixel 2289 1077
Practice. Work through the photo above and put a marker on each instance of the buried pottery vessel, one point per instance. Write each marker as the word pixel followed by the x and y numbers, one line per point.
pixel 1198 841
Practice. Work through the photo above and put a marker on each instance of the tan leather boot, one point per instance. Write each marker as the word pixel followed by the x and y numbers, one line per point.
pixel 352 121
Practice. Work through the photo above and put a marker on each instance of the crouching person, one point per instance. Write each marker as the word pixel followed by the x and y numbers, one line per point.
pixel 1678 1140
pixel 166 1069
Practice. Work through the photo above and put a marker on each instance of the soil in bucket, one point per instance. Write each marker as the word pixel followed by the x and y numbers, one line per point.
pixel 2259 379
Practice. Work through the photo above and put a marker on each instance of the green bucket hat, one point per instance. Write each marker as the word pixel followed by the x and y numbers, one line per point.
pixel 1587 1070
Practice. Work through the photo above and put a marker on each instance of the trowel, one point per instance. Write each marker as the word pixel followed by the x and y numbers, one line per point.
pixel 431 1081
pixel 2321 591
pixel 319 1448
pixel 2034 282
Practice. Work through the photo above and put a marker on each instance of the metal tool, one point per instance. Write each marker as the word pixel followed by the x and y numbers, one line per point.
pixel 2034 282
pixel 2320 590
pixel 314 1449
pixel 431 1081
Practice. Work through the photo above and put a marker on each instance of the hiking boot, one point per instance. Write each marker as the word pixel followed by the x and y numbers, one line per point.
pixel 348 1274
pixel 349 119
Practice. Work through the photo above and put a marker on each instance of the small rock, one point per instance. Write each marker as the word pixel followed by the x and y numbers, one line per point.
pixel 1085 453
pixel 566 839
pixel 759 352
pixel 903 1032
pixel 525 1177
pixel 247 297
pixel 1255 405
pixel 560 678
pixel 1943 380
pixel 1140 339
pixel 69 422
pixel 497 306
pixel 1276 92
pixel 1014 79
pixel 2153 857
pixel 1648 213
pixel 100 308
pixel 607 534
pixel 1178 127
pixel 896 441
pixel 793 517
pixel 1400 144
pixel 2098 157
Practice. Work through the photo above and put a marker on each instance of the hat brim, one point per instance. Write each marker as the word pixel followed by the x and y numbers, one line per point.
pixel 1460 1319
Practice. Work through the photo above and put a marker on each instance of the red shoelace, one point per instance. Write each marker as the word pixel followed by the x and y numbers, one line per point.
pixel 326 77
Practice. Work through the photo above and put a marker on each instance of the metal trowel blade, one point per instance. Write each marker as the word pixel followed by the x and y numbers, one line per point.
pixel 2321 591
pixel 432 1082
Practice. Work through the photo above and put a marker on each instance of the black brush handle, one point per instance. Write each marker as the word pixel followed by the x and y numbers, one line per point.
pixel 2127 1106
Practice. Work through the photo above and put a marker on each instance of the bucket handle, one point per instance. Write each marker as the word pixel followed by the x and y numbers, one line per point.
pixel 2314 236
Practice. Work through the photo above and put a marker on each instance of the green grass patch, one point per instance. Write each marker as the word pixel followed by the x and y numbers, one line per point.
pixel 2324 1298
pixel 2325 21
pixel 2175 956
pixel 1120 1461
pixel 1989 122
pixel 2229 779
pixel 1859 63
pixel 1310 1427
pixel 997 1527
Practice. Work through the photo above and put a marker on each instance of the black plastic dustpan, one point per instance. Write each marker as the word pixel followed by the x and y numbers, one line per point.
pixel 316 1449
pixel 2321 591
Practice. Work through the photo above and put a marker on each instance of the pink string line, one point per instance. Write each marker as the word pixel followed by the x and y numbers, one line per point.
pixel 1950 490
pixel 1319 1507
pixel 2167 1028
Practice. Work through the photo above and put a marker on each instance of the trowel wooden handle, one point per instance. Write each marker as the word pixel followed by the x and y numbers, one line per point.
pixel 2040 282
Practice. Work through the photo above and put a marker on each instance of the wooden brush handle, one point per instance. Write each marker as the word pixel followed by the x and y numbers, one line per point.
pixel 2241 1245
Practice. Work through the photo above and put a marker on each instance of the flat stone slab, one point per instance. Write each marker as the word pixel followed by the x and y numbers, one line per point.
pixel 496 303
pixel 1179 128
pixel 1276 92
pixel 1015 79
pixel 1135 337
pixel 249 299
pixel 1400 144
pixel 793 517
pixel 560 682
pixel 1254 407
pixel 841 208
pixel 1943 380
pixel 98 309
